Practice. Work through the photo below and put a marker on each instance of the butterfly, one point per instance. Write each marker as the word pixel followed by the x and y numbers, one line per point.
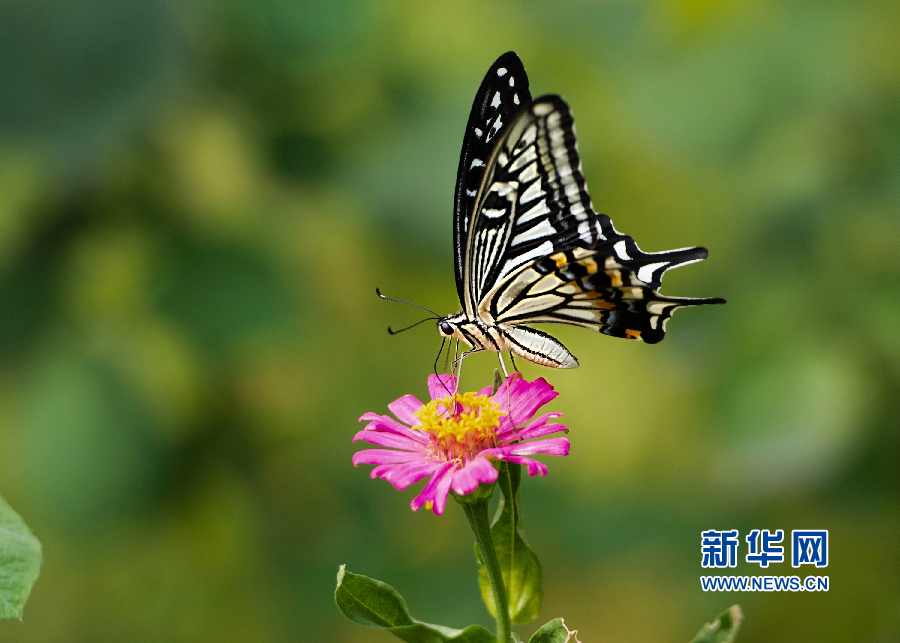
pixel 528 246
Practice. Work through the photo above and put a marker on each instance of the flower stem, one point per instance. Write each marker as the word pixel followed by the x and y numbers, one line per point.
pixel 477 513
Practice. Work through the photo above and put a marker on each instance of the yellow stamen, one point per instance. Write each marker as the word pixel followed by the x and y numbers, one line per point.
pixel 461 423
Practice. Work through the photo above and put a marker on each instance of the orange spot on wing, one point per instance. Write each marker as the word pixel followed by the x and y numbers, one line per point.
pixel 589 264
pixel 632 334
pixel 599 302
pixel 560 258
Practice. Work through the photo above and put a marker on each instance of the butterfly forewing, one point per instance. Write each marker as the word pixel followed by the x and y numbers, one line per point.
pixel 533 200
pixel 503 91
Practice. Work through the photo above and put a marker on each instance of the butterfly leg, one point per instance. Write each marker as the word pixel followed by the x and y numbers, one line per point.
pixel 512 358
pixel 502 364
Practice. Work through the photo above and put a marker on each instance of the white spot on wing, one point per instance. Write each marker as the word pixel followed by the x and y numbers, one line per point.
pixel 542 109
pixel 512 81
pixel 658 307
pixel 501 71
pixel 496 101
pixel 471 192
pixel 492 213
pixel 478 132
pixel 494 129
pixel 516 99
pixel 589 230
pixel 645 273
pixel 476 163
pixel 621 250
pixel 504 189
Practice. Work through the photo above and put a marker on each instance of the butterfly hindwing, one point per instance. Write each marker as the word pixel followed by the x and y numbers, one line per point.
pixel 503 91
pixel 588 288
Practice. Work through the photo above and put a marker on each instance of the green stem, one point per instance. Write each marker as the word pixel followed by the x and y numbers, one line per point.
pixel 477 513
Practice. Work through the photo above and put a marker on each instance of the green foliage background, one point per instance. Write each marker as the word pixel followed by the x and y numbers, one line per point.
pixel 198 199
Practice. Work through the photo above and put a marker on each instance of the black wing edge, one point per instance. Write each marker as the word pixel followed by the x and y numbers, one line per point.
pixel 473 146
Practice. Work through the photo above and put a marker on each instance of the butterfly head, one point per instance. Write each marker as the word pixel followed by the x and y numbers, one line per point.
pixel 449 326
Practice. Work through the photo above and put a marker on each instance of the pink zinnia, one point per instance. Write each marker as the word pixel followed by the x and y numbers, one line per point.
pixel 454 437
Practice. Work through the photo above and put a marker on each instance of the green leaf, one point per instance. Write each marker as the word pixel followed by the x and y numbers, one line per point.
pixel 723 629
pixel 519 566
pixel 20 562
pixel 372 603
pixel 553 632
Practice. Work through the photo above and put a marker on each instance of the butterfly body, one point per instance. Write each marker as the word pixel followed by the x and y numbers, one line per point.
pixel 528 245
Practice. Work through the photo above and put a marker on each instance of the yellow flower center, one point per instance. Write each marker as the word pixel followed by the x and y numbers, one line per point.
pixel 462 424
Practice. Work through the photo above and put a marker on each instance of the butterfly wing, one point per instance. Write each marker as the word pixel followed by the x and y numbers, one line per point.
pixel 503 92
pixel 539 253
pixel 533 200
pixel 588 288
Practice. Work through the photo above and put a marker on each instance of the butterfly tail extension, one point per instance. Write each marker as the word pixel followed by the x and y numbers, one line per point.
pixel 625 289
pixel 646 321
pixel 648 266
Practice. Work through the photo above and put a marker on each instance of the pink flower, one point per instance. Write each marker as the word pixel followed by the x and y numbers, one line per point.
pixel 454 437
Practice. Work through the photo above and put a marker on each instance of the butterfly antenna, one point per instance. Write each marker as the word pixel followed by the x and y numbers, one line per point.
pixel 394 332
pixel 408 303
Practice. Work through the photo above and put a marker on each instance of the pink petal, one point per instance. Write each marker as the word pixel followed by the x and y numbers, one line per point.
pixel 384 456
pixel 521 400
pixel 536 428
pixel 542 430
pixel 534 467
pixel 550 446
pixel 516 452
pixel 403 475
pixel 476 471
pixel 393 440
pixel 504 434
pixel 440 386
pixel 405 409
pixel 387 423
pixel 436 489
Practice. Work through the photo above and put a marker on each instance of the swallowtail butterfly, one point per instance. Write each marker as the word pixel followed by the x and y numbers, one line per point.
pixel 528 245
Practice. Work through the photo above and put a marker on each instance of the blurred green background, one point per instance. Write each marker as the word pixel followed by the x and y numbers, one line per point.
pixel 198 199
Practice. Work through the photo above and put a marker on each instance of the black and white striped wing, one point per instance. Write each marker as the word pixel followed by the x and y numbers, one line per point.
pixel 532 202
pixel 539 253
pixel 502 93
pixel 592 288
